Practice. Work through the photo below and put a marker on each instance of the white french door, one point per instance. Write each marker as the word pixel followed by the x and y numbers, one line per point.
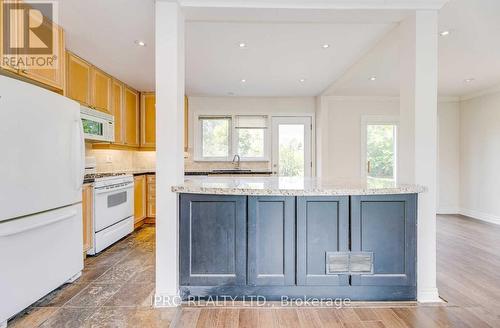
pixel 291 146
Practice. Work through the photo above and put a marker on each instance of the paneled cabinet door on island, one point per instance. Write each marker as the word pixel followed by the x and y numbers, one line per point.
pixel 148 120
pixel 139 198
pixel 385 226
pixel 271 241
pixel 212 240
pixel 131 113
pixel 322 227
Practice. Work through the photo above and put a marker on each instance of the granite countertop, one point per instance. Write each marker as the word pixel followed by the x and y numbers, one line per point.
pixel 281 186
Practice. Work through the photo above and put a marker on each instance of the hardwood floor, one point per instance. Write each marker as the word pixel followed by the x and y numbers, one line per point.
pixel 117 286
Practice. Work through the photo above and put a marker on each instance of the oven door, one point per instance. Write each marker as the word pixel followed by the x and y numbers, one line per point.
pixel 112 205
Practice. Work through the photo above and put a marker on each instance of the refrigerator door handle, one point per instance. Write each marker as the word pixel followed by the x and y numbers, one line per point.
pixel 15 231
pixel 81 155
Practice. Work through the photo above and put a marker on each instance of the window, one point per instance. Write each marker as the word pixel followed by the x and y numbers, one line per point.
pixel 215 137
pixel 220 140
pixel 380 151
pixel 251 136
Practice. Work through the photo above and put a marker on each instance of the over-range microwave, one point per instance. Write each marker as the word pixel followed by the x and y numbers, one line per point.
pixel 97 126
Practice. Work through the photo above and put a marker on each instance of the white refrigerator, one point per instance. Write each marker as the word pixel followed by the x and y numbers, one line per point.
pixel 42 154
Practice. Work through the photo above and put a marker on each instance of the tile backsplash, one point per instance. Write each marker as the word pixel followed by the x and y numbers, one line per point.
pixel 110 160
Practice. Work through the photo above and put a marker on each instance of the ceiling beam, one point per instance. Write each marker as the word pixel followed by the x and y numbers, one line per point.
pixel 318 4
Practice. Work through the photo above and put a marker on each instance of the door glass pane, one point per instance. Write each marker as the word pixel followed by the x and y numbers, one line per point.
pixel 381 155
pixel 291 150
pixel 215 137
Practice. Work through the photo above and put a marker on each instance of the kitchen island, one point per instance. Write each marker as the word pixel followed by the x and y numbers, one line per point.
pixel 297 238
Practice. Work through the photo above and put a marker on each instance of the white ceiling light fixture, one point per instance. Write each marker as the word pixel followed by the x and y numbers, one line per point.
pixel 243 81
pixel 444 33
pixel 469 80
pixel 373 78
pixel 140 43
pixel 325 46
pixel 302 80
pixel 242 45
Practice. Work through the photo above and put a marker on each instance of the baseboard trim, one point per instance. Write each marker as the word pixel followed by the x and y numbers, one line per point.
pixel 428 295
pixel 490 218
pixel 446 210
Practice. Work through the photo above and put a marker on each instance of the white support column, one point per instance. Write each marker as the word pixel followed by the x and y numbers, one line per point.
pixel 169 145
pixel 418 137
pixel 322 169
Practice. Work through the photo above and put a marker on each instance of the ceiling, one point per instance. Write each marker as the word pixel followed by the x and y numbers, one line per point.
pixel 276 58
pixel 104 33
pixel 284 45
pixel 469 51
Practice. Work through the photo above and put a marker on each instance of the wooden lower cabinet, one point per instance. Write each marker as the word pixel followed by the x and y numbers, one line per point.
pixel 88 216
pixel 151 198
pixel 139 199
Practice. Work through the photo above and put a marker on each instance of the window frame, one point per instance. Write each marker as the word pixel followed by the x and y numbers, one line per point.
pixel 379 120
pixel 199 144
pixel 233 139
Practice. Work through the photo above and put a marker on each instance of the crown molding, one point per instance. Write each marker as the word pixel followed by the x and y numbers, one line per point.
pixel 477 94
pixel 442 99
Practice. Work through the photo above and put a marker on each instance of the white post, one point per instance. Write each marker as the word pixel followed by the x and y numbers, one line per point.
pixel 169 145
pixel 418 137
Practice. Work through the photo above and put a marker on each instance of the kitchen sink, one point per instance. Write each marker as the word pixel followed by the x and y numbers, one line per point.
pixel 231 171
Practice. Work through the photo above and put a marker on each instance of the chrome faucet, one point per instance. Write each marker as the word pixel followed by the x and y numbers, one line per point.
pixel 236 162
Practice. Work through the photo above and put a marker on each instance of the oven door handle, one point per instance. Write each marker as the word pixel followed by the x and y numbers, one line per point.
pixel 103 190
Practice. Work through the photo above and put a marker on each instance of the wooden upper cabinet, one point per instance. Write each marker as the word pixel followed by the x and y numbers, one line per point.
pixel 131 103
pixel 78 79
pixel 117 90
pixel 100 90
pixel 148 120
pixel 54 77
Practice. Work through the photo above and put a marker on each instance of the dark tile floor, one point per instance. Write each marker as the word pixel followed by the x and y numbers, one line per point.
pixel 115 290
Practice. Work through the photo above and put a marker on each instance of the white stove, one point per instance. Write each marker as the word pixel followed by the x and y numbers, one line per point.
pixel 113 208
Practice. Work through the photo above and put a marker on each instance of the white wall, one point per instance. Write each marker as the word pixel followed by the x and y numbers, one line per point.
pixel 480 157
pixel 448 157
pixel 343 158
pixel 340 153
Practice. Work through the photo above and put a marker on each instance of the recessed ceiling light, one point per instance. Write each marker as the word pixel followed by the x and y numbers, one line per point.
pixel 469 80
pixel 373 78
pixel 243 80
pixel 243 45
pixel 325 46
pixel 140 43
pixel 444 33
pixel 302 80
